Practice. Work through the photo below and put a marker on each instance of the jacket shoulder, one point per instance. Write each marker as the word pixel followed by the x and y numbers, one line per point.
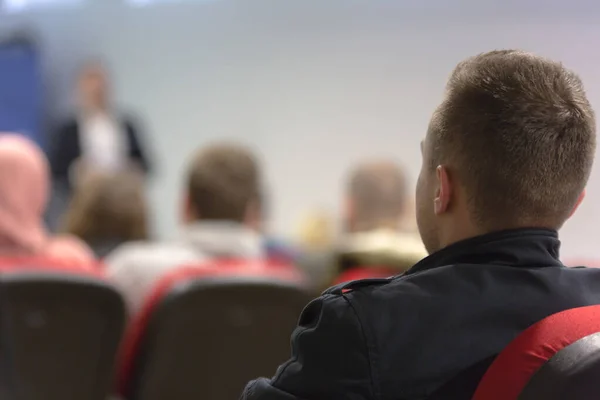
pixel 68 124
pixel 358 284
pixel 129 121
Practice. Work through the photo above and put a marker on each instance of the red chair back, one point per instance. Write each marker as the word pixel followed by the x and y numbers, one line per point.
pixel 356 273
pixel 529 364
pixel 36 264
pixel 202 323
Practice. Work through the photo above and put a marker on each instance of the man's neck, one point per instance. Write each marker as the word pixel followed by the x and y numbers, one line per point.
pixel 93 111
pixel 458 231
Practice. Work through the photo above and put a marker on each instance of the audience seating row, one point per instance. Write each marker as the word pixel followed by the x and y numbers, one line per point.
pixel 61 327
pixel 206 331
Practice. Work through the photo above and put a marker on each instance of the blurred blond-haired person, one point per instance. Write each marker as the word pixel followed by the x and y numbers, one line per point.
pixel 380 237
pixel 108 210
pixel 221 219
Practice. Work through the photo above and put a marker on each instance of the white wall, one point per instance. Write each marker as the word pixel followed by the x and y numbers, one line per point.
pixel 313 84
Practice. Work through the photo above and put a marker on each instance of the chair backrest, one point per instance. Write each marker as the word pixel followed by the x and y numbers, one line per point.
pixel 572 373
pixel 59 334
pixel 91 269
pixel 204 334
pixel 557 358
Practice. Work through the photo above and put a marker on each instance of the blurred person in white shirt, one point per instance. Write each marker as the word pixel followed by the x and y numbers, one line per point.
pixel 97 138
pixel 221 220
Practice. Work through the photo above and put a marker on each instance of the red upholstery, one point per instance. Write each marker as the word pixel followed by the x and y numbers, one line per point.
pixel 518 362
pixel 221 268
pixel 357 273
pixel 32 264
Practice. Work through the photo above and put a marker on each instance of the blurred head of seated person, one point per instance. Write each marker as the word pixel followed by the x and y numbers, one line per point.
pixel 505 162
pixel 224 188
pixel 221 220
pixel 24 191
pixel 93 88
pixel 375 243
pixel 108 210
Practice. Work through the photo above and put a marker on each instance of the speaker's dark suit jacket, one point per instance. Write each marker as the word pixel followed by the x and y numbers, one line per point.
pixel 65 148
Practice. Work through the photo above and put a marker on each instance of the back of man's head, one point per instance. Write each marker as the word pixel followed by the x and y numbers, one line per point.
pixel 224 183
pixel 376 196
pixel 519 134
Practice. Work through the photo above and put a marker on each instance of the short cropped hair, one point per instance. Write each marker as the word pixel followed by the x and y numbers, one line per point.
pixel 223 181
pixel 108 207
pixel 520 132
pixel 377 191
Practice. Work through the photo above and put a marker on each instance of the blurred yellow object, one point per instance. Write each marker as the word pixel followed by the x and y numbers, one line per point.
pixel 316 231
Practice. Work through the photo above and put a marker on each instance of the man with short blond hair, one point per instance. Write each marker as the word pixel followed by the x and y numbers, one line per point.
pixel 518 133
pixel 505 162
pixel 376 241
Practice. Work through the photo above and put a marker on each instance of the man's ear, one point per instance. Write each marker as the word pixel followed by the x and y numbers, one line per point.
pixel 579 200
pixel 443 194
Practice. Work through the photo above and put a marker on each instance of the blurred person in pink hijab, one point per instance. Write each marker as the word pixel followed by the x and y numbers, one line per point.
pixel 24 191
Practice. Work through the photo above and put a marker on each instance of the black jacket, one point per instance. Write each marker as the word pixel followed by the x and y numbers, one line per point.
pixel 406 337
pixel 66 148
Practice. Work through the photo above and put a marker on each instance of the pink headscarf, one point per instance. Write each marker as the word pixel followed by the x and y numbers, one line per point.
pixel 24 188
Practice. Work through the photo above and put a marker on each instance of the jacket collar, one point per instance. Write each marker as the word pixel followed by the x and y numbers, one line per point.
pixel 380 248
pixel 514 248
pixel 223 239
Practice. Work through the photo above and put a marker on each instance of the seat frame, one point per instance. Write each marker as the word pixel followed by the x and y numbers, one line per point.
pixel 517 364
